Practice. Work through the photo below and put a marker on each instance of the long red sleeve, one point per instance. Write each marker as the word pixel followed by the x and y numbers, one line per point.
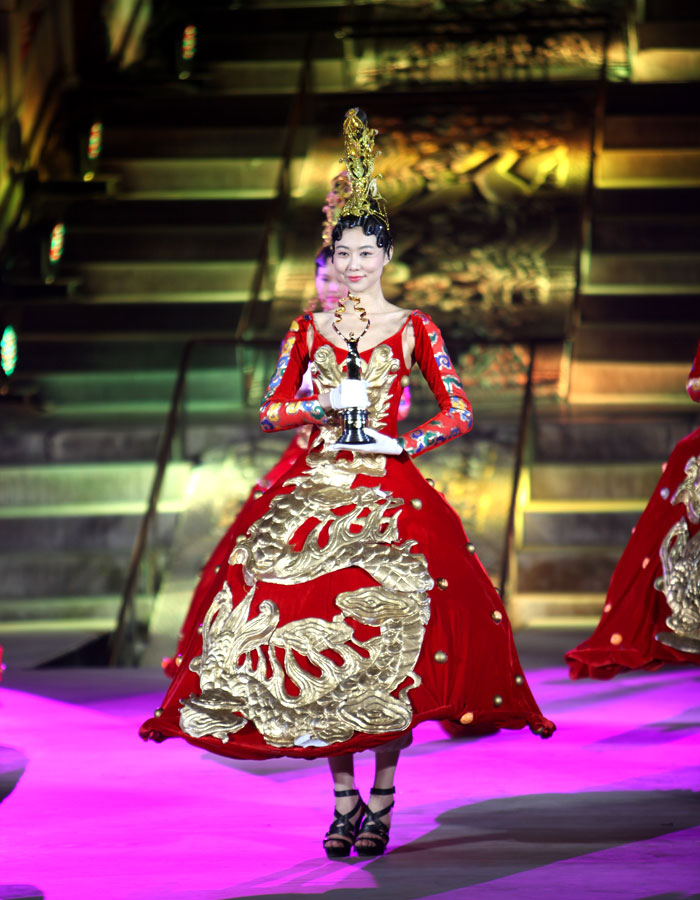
pixel 455 416
pixel 693 385
pixel 281 409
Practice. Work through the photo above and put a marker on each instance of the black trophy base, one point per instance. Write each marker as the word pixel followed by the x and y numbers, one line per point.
pixel 354 421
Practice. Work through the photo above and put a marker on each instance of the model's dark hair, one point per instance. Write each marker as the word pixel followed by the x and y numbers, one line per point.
pixel 323 256
pixel 370 224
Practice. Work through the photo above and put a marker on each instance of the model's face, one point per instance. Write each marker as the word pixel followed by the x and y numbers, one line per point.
pixel 358 260
pixel 328 288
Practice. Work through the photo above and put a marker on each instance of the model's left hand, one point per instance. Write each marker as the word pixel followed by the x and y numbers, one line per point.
pixel 389 446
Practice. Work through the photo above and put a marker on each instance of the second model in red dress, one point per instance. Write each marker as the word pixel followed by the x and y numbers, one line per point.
pixel 652 609
pixel 352 606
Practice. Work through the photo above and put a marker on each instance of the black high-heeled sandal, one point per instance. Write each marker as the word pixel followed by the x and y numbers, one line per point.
pixel 373 829
pixel 342 828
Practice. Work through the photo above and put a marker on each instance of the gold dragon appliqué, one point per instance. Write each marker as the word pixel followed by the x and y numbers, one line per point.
pixel 242 677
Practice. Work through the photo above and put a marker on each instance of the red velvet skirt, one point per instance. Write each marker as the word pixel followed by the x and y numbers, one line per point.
pixel 463 662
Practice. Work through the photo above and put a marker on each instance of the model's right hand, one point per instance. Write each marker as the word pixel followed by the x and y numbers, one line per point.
pixel 351 393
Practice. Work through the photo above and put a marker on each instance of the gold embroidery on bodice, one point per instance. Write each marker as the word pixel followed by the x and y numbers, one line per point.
pixel 246 662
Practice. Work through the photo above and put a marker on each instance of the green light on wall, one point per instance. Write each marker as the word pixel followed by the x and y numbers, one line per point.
pixel 57 243
pixel 8 350
pixel 95 141
pixel 189 42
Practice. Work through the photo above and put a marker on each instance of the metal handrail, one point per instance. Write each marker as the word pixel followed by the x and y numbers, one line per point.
pixel 523 429
pixel 162 458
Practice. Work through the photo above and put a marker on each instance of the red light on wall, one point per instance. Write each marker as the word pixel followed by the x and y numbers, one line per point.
pixel 95 141
pixel 189 42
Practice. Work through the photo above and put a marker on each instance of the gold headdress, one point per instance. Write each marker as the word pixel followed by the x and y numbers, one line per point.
pixel 333 208
pixel 360 156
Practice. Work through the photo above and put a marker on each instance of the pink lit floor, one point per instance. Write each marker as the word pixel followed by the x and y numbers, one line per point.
pixel 607 809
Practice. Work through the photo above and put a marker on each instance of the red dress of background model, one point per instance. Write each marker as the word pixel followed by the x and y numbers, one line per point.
pixel 635 611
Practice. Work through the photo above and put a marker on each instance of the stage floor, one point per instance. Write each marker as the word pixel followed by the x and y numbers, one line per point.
pixel 608 808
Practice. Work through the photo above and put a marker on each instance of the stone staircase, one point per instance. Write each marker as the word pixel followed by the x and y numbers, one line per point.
pixel 163 245
pixel 594 467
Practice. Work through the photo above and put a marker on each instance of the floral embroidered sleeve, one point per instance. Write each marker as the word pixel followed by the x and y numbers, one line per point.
pixel 455 416
pixel 281 409
pixel 693 385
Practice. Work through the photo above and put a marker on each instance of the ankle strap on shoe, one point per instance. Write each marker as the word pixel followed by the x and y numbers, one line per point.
pixel 380 791
pixel 350 793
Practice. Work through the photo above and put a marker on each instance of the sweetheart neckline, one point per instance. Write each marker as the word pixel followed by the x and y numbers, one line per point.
pixel 386 340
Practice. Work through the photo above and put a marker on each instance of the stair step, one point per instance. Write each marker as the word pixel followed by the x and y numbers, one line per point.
pixel 128 354
pixel 640 167
pixel 630 99
pixel 181 277
pixel 557 609
pixel 675 10
pixel 50 440
pixel 582 528
pixel 188 142
pixel 119 487
pixel 28 644
pixel 609 439
pixel 139 106
pixel 669 35
pixel 177 243
pixel 96 612
pixel 594 481
pixel 659 309
pixel 630 233
pixel 30 574
pixel 652 343
pixel 54 528
pixel 673 272
pixel 127 211
pixel 247 177
pixel 634 380
pixel 596 505
pixel 570 569
pixel 646 201
pixel 110 387
pixel 621 131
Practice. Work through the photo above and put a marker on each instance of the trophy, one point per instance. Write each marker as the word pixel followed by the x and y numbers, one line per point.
pixel 354 419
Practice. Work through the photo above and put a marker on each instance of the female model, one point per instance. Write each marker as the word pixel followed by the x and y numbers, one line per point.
pixel 353 606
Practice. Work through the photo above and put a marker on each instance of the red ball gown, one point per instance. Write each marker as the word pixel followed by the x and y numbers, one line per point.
pixel 652 609
pixel 352 606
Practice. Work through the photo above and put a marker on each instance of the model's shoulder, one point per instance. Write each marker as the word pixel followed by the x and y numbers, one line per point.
pixel 301 322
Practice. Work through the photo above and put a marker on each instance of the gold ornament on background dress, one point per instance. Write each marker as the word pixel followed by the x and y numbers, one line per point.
pixel 247 663
pixel 688 492
pixel 680 561
pixel 359 158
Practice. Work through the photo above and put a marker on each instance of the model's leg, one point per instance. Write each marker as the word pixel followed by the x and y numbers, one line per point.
pixel 343 774
pixel 386 763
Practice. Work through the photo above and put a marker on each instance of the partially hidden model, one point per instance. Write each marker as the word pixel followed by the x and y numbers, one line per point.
pixel 352 606
pixel 652 610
